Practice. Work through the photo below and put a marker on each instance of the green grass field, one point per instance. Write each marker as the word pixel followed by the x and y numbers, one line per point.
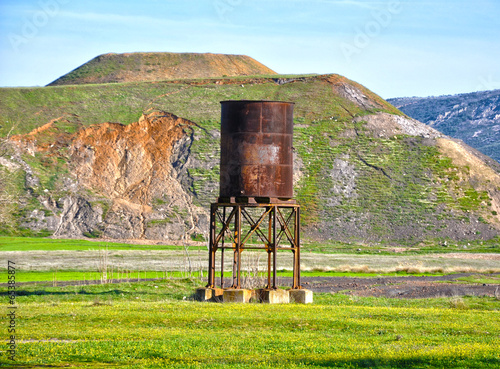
pixel 157 325
pixel 54 277
pixel 18 249
pixel 32 253
pixel 47 244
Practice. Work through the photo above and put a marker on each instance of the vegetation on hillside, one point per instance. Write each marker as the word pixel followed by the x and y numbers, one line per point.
pixel 353 185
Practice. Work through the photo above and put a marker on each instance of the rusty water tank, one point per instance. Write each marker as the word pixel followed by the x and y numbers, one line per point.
pixel 256 149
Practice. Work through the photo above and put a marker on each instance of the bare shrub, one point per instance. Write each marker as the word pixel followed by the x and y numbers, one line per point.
pixel 103 267
pixel 251 277
pixel 354 269
pixel 457 302
pixel 361 269
pixel 319 270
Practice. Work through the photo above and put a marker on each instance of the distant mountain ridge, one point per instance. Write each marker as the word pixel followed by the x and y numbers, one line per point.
pixel 159 66
pixel 473 117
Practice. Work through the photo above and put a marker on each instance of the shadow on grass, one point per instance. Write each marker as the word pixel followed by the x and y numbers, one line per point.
pixel 416 362
pixel 62 293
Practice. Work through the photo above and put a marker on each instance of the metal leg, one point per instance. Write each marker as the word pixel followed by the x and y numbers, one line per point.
pixel 273 240
pixel 268 249
pixel 274 248
pixel 297 242
pixel 211 259
pixel 237 249
pixel 222 250
pixel 235 255
pixel 238 246
pixel 296 264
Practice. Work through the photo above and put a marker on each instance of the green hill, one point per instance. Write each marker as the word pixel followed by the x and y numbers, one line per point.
pixel 363 171
pixel 137 67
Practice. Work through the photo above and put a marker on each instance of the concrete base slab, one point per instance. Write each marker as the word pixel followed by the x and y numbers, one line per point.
pixel 208 294
pixel 237 295
pixel 301 296
pixel 269 296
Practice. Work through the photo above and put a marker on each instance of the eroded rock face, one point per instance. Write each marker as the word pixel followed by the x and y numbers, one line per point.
pixel 124 181
pixel 344 176
pixel 129 162
pixel 355 95
pixel 139 167
pixel 78 218
pixel 384 125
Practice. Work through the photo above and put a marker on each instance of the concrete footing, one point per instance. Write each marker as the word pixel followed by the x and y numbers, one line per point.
pixel 301 296
pixel 237 295
pixel 209 294
pixel 269 296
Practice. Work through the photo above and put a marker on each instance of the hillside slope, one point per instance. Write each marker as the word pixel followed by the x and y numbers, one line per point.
pixel 363 171
pixel 473 118
pixel 136 67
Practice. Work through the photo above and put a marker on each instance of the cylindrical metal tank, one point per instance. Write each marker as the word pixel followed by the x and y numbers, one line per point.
pixel 256 149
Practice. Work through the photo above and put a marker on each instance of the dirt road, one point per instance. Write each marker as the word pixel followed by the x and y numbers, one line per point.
pixel 404 287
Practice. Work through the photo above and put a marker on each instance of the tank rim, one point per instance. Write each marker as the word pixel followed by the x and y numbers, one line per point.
pixel 259 101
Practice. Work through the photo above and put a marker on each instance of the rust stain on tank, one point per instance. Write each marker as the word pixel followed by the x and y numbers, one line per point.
pixel 256 149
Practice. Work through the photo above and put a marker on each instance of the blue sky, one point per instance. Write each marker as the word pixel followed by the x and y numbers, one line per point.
pixel 394 47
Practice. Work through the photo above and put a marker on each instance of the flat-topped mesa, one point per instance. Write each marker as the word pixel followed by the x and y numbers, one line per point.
pixel 148 67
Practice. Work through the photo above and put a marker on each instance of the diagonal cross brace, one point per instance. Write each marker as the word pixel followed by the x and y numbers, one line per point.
pixel 285 228
pixel 226 225
pixel 255 226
